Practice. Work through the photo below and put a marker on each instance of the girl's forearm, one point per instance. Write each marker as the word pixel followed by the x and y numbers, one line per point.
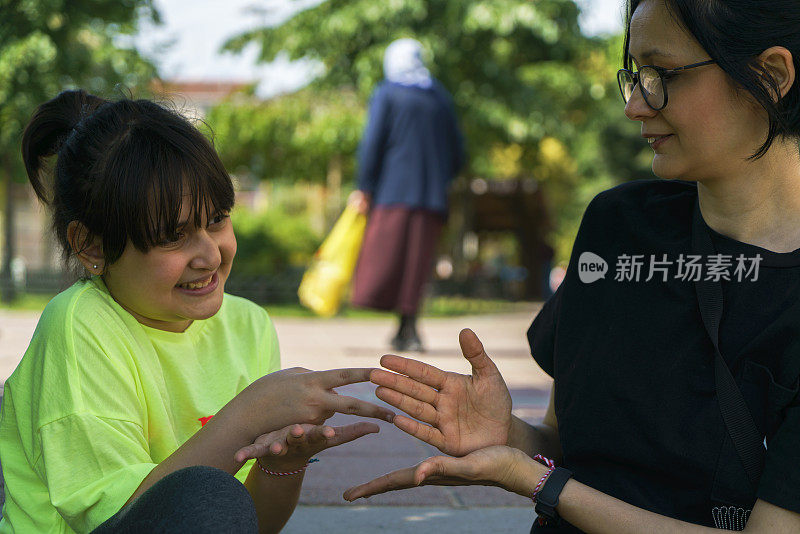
pixel 213 445
pixel 275 498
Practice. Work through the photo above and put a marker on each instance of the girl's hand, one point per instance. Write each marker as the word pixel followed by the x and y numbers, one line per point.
pixel 291 447
pixel 498 465
pixel 463 413
pixel 298 395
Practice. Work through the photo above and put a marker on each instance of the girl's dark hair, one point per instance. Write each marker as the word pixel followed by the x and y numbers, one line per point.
pixel 123 169
pixel 734 33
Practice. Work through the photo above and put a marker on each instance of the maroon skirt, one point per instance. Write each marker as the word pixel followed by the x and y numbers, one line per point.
pixel 396 258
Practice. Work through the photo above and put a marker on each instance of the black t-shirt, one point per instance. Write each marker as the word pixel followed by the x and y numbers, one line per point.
pixel 635 394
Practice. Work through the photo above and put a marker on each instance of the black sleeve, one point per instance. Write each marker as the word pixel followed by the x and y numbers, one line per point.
pixel 541 334
pixel 780 481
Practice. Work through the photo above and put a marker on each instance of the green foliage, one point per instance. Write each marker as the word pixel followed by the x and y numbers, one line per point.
pixel 47 46
pixel 271 241
pixel 535 96
pixel 295 137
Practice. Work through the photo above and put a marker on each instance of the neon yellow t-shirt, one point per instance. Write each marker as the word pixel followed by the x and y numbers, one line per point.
pixel 98 400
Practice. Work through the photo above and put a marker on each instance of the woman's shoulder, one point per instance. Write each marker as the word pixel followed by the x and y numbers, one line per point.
pixel 646 200
pixel 641 192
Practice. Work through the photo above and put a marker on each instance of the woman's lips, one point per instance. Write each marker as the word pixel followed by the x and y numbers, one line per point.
pixel 204 290
pixel 658 140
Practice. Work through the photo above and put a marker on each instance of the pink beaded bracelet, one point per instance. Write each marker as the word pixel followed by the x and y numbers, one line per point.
pixel 285 473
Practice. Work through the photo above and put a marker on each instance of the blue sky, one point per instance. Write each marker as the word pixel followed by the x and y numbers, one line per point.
pixel 187 45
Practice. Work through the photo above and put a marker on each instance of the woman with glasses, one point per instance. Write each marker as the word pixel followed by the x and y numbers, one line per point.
pixel 674 341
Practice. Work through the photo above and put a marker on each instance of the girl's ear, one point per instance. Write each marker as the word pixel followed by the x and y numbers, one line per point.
pixel 777 61
pixel 87 248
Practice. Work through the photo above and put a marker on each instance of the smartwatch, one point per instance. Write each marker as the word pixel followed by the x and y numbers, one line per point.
pixel 547 498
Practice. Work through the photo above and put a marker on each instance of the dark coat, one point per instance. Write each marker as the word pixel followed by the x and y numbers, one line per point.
pixel 411 148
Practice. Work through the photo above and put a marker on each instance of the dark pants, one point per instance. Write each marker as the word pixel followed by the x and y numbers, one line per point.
pixel 197 499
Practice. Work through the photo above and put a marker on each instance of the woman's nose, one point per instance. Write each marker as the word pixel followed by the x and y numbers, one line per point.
pixel 636 109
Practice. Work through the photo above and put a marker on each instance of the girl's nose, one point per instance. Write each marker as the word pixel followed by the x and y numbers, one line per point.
pixel 207 255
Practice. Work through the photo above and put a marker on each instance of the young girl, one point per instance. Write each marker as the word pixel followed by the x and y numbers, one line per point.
pixel 703 280
pixel 144 384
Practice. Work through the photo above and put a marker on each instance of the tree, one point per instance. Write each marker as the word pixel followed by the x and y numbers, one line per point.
pixel 51 45
pixel 535 96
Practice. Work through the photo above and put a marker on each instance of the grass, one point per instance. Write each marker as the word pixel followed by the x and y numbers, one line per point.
pixel 434 307
pixel 27 302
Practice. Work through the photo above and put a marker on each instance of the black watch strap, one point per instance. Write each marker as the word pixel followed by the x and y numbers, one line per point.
pixel 547 499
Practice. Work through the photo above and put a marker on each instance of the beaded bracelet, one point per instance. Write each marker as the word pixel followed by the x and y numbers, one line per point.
pixel 285 473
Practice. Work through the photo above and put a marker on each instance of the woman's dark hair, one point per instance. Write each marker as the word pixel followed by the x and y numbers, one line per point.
pixel 123 169
pixel 734 33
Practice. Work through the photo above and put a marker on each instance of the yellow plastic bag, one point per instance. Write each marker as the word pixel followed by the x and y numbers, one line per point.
pixel 327 277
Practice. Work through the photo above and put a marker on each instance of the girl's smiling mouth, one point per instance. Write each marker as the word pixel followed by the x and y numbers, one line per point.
pixel 200 287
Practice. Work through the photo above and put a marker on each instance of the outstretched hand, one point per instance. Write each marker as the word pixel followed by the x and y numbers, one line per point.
pixel 458 413
pixel 498 465
pixel 291 447
pixel 298 395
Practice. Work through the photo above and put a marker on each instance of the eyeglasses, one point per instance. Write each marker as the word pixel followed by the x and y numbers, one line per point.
pixel 652 82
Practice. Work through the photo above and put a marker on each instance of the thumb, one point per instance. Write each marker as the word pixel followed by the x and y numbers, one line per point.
pixel 472 349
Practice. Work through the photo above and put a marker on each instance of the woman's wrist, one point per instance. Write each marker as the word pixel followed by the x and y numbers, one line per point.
pixel 516 433
pixel 526 473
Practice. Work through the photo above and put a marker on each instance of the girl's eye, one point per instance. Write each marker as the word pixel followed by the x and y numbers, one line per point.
pixel 218 218
pixel 172 240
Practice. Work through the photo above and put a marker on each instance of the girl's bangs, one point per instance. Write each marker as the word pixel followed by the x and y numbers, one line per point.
pixel 175 173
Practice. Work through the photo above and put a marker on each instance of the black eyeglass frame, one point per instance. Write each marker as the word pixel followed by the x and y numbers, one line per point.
pixel 661 71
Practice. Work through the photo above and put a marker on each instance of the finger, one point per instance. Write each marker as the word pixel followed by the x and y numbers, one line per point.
pixel 348 433
pixel 296 435
pixel 320 434
pixel 472 349
pixel 416 409
pixel 400 479
pixel 341 377
pixel 444 467
pixel 405 385
pixel 353 406
pixel 254 450
pixel 426 433
pixel 422 372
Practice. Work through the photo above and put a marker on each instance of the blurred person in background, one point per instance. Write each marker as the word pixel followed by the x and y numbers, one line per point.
pixel 410 152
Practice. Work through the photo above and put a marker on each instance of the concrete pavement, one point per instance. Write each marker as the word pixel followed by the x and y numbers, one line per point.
pixel 324 344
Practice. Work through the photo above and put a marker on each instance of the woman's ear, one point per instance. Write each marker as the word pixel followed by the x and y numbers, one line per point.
pixel 87 248
pixel 778 62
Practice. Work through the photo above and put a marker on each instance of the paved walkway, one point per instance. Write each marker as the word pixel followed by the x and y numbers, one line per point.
pixel 324 344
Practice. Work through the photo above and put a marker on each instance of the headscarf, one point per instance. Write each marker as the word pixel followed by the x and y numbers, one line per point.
pixel 402 63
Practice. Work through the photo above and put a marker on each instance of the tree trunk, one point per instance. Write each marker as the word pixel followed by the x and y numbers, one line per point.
pixel 7 291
